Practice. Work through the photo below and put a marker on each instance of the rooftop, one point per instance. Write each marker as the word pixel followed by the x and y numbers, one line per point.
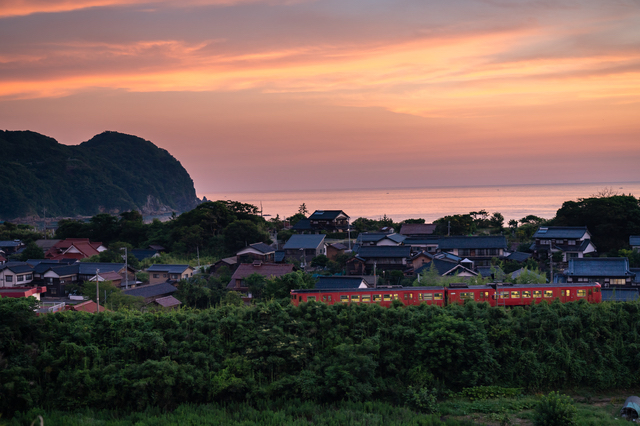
pixel 304 241
pixel 568 232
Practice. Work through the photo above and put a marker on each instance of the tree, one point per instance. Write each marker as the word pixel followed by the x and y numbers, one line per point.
pixel 256 283
pixel 241 233
pixel 413 221
pixel 320 260
pixel 461 224
pixel 497 220
pixel 303 210
pixel 32 251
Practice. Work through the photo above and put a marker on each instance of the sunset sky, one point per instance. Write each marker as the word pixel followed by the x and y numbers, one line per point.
pixel 254 95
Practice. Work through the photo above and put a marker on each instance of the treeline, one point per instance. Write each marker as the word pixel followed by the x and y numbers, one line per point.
pixel 130 361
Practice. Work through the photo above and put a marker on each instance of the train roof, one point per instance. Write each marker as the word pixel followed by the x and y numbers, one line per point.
pixel 471 287
pixel 364 290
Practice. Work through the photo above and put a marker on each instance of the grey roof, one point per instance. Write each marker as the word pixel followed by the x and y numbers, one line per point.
pixel 570 232
pixel 61 270
pixel 170 269
pixel 634 240
pixel 448 256
pixel 442 266
pixel 417 228
pixel 475 242
pixel 339 246
pixel 89 268
pixel 167 301
pixel 371 237
pixel 422 240
pixel 384 251
pixel 302 225
pixel 279 256
pixel 326 214
pixel 519 256
pixel 325 283
pixel 10 243
pixel 304 241
pixel 20 269
pixel 142 254
pixel 262 247
pixel 599 267
pixel 151 290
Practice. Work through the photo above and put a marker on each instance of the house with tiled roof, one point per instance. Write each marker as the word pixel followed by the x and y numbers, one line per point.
pixel 329 220
pixel 74 248
pixel 417 230
pixel 151 292
pixel 379 258
pixel 56 277
pixel 142 254
pixel 479 249
pixel 634 242
pixel 335 250
pixel 572 241
pixel 159 273
pixel 16 274
pixel 11 246
pixel 366 239
pixel 168 302
pixel 610 272
pixel 88 306
pixel 446 268
pixel 256 251
pixel 88 270
pixel 268 270
pixel 304 247
pixel 428 243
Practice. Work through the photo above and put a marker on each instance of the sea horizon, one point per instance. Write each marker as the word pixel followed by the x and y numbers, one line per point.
pixel 513 201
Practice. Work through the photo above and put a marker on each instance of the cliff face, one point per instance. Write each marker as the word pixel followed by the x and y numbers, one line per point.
pixel 112 172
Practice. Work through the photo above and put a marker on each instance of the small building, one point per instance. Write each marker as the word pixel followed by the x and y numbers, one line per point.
pixel 152 292
pixel 58 277
pixel 74 248
pixel 332 283
pixel 11 246
pixel 634 242
pixel 367 239
pixel 168 302
pixel 417 230
pixel 420 259
pixel 304 247
pixel 142 254
pixel 88 270
pixel 230 262
pixel 88 306
pixel 268 270
pixel 257 251
pixel 573 241
pixel 159 273
pixel 610 272
pixel 329 220
pixel 115 278
pixel 479 249
pixel 446 268
pixel 335 250
pixel 379 258
pixel 22 291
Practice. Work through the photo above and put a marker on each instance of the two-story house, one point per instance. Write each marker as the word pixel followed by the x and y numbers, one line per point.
pixel 329 220
pixel 478 249
pixel 161 273
pixel 268 270
pixel 367 239
pixel 16 274
pixel 573 241
pixel 379 258
pixel 257 251
pixel 304 247
pixel 74 248
pixel 610 272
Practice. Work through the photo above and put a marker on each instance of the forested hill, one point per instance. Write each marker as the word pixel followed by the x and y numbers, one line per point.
pixel 112 172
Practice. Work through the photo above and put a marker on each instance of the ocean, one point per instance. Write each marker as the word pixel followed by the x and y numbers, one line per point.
pixel 513 201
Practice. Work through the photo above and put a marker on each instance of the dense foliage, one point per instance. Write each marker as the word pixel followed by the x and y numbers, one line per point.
pixel 126 360
pixel 112 171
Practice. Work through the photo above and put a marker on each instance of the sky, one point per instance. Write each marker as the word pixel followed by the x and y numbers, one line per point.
pixel 277 95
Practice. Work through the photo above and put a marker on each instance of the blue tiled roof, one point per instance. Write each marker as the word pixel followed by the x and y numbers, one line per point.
pixel 384 251
pixel 304 241
pixel 326 214
pixel 88 268
pixel 479 242
pixel 63 270
pixel 262 247
pixel 142 254
pixel 302 225
pixel 326 283
pixel 634 240
pixel 442 266
pixel 151 290
pixel 171 269
pixel 599 267
pixel 619 295
pixel 519 256
pixel 10 243
pixel 20 269
pixel 569 232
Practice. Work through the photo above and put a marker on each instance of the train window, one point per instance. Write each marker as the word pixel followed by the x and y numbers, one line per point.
pixel 515 294
pixel 466 295
pixel 582 293
pixel 548 293
pixel 426 296
pixel 329 298
pixel 324 298
pixel 537 293
pixel 377 297
pixel 344 298
pixel 366 298
pixel 410 295
pixel 567 293
pixel 526 294
pixel 504 295
pixel 437 296
pixel 396 297
pixel 355 298
pixel 386 298
pixel 485 294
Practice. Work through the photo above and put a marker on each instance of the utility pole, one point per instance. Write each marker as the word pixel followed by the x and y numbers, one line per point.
pixel 126 268
pixel 550 266
pixel 97 291
pixel 375 276
pixel 198 250
pixel 448 228
pixel 44 218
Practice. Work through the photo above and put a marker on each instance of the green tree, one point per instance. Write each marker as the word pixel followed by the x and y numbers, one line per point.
pixel 555 410
pixel 303 209
pixel 32 251
pixel 241 233
pixel 461 224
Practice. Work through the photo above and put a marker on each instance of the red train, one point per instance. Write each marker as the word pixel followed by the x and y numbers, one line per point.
pixel 494 294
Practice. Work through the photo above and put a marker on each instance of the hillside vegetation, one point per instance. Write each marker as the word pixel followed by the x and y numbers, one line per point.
pixel 112 172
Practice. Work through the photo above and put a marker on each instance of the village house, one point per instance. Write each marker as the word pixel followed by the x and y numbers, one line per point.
pixel 610 272
pixel 323 220
pixel 10 247
pixel 304 247
pixel 335 250
pixel 573 241
pixel 367 239
pixel 152 292
pixel 256 251
pixel 74 248
pixel 634 242
pixel 333 283
pixel 16 274
pixel 478 249
pixel 447 268
pixel 417 230
pixel 379 258
pixel 162 273
pixel 268 270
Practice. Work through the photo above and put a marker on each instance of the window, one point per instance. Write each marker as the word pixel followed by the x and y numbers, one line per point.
pixel 355 298
pixel 426 296
pixel 545 242
pixel 28 277
pixel 582 293
pixel 616 281
pixel 537 294
pixel 156 275
pixel 504 295
pixel 548 293
pixel 567 293
pixel 311 298
pixel 526 294
pixel 437 296
pixel 366 298
pixel 344 298
pixel 386 298
pixel 464 252
pixel 571 242
pixel 324 298
pixel 9 278
pixel 20 278
pixel 408 296
pixel 515 294
pixel 396 297
pixel 377 297
pixel 53 291
pixel 573 255
pixel 466 296
pixel 485 294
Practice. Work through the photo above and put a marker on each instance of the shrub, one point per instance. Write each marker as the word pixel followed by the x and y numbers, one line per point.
pixel 422 399
pixel 555 410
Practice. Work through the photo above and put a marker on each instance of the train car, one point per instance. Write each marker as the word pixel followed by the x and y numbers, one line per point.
pixel 526 294
pixel 383 296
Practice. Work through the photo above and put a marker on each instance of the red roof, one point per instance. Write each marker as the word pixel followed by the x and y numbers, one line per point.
pixel 21 291
pixel 167 301
pixel 108 276
pixel 84 247
pixel 88 306
pixel 269 270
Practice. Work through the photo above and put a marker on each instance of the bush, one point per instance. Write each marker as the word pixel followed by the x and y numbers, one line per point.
pixel 555 410
pixel 423 399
